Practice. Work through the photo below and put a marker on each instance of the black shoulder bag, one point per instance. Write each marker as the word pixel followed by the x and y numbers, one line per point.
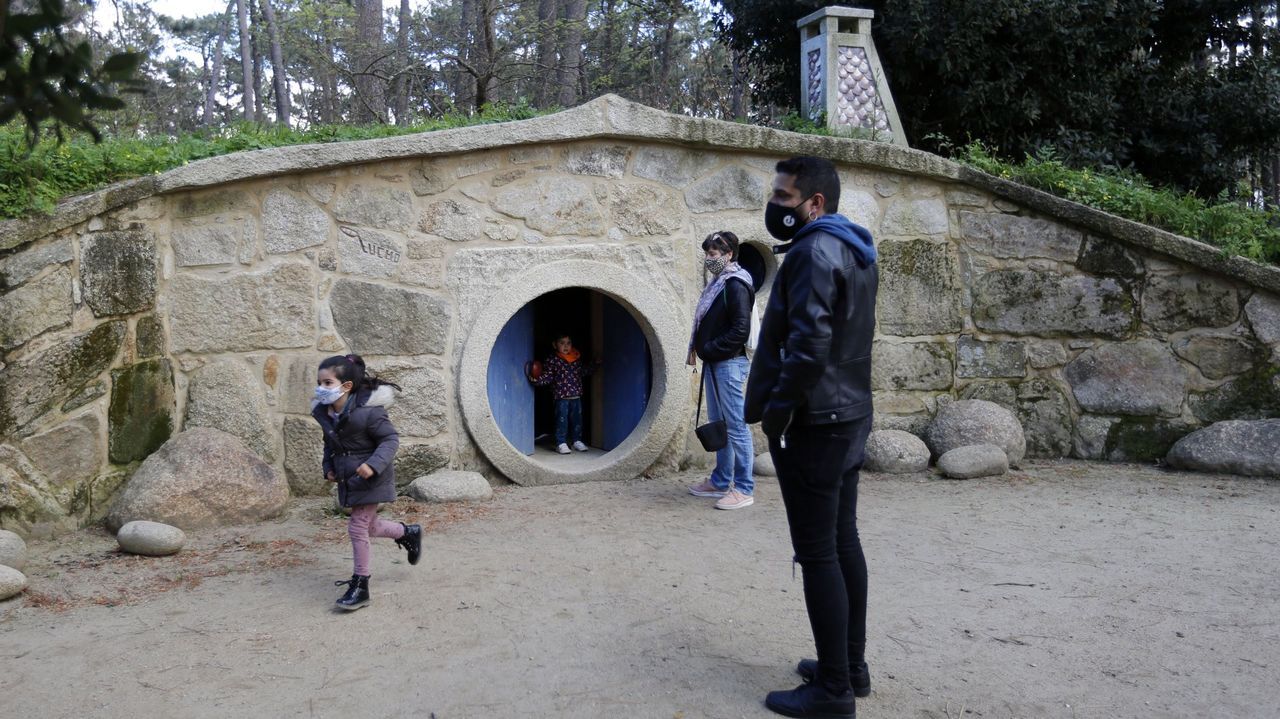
pixel 713 435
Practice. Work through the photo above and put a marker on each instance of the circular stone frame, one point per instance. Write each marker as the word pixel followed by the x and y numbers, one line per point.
pixel 663 331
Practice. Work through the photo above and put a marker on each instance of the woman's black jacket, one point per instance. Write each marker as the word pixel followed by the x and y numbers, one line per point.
pixel 723 332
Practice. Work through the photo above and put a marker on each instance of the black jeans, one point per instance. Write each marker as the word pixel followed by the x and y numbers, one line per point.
pixel 818 476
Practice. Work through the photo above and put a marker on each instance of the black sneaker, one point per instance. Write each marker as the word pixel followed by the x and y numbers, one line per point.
pixel 411 540
pixel 859 675
pixel 357 593
pixel 812 702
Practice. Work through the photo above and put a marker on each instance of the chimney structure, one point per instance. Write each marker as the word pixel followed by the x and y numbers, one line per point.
pixel 841 76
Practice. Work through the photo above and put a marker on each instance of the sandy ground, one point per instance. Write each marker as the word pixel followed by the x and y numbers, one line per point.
pixel 1062 590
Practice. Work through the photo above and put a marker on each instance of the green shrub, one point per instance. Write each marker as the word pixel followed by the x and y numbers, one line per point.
pixel 34 180
pixel 1237 229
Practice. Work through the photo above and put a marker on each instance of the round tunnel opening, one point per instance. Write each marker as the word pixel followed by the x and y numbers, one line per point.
pixel 614 394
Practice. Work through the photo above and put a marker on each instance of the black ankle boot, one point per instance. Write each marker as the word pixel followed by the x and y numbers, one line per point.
pixel 859 675
pixel 411 540
pixel 811 701
pixel 357 593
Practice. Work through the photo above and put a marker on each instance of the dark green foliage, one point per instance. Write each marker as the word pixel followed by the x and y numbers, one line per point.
pixel 33 180
pixel 46 76
pixel 1238 230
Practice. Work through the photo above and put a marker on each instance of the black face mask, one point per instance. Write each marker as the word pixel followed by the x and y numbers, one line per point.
pixel 783 222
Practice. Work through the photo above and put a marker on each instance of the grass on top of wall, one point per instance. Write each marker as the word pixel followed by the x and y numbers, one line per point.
pixel 34 180
pixel 1237 229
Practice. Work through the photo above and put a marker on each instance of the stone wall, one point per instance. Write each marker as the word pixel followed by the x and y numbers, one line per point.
pixel 206 296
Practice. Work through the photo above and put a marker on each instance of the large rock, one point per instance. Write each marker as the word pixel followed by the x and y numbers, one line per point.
pixel 920 289
pixel 1027 302
pixel 1234 447
pixel 303 453
pixel 451 220
pixel 896 452
pixel 28 504
pixel 598 160
pixel 22 266
pixel 1171 303
pixel 201 478
pixel 13 550
pixel 36 307
pixel 1218 356
pixel 149 334
pixel 417 460
pixel 210 241
pixel 375 206
pixel 1104 256
pixel 1143 439
pixel 118 272
pixel 49 378
pixel 1134 378
pixel 227 395
pixel 152 539
pixel 1263 311
pixel 912 218
pixel 565 207
pixel 763 465
pixel 1046 417
pixel 408 323
pixel 67 454
pixel 1001 235
pixel 274 309
pixel 1254 395
pixel 911 366
pixel 975 421
pixel 673 166
pixel 975 460
pixel 978 358
pixel 12 582
pixel 731 188
pixel 450 486
pixel 290 223
pixel 142 405
pixel 643 210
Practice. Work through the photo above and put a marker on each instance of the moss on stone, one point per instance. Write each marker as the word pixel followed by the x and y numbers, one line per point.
pixel 1254 395
pixel 142 407
pixel 1143 438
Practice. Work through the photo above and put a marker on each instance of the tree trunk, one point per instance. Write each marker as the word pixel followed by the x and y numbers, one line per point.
pixel 738 87
pixel 278 76
pixel 215 74
pixel 371 100
pixel 546 52
pixel 329 80
pixel 487 65
pixel 402 65
pixel 664 51
pixel 609 53
pixel 259 97
pixel 465 94
pixel 246 57
pixel 575 13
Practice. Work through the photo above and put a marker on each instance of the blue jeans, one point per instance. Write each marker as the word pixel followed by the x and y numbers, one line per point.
pixel 734 462
pixel 568 420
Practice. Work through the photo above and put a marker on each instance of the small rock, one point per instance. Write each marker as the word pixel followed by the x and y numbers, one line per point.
pixel 152 539
pixel 976 421
pixel 11 582
pixel 13 551
pixel 1250 448
pixel 975 460
pixel 449 485
pixel 896 452
pixel 763 466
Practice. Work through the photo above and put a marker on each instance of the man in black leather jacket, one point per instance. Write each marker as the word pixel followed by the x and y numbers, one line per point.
pixel 810 386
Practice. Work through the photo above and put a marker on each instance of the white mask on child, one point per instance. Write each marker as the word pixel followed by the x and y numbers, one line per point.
pixel 328 395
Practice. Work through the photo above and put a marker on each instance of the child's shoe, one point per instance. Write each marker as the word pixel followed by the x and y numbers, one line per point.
pixel 411 540
pixel 562 448
pixel 580 446
pixel 357 593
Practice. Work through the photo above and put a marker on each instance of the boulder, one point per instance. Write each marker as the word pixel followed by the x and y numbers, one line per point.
pixel 447 485
pixel 896 452
pixel 152 539
pixel 202 477
pixel 975 421
pixel 763 466
pixel 12 582
pixel 975 460
pixel 13 550
pixel 1235 447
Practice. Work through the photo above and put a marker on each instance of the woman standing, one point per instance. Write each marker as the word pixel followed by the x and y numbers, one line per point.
pixel 721 326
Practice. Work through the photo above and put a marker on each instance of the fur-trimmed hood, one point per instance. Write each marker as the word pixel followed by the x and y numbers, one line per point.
pixel 383 396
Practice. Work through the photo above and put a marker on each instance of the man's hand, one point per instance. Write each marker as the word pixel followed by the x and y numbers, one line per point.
pixel 365 471
pixel 331 476
pixel 692 361
pixel 776 419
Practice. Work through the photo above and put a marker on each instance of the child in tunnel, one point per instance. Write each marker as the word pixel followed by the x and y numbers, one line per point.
pixel 564 370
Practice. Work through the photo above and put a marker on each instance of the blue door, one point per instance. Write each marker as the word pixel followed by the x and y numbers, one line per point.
pixel 510 394
pixel 627 374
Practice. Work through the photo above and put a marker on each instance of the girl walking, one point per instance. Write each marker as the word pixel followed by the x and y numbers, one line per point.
pixel 359 443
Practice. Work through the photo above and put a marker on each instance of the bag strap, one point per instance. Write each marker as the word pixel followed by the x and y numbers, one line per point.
pixel 702 381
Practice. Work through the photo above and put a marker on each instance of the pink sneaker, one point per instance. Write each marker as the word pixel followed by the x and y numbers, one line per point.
pixel 706 489
pixel 733 499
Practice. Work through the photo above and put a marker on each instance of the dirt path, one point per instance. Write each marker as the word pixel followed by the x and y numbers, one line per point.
pixel 1064 590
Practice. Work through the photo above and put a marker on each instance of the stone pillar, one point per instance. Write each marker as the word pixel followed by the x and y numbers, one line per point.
pixel 841 75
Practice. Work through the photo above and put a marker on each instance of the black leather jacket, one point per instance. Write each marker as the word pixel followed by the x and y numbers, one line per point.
pixel 723 332
pixel 813 361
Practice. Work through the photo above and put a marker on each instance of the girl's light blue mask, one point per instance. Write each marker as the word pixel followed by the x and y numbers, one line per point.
pixel 328 395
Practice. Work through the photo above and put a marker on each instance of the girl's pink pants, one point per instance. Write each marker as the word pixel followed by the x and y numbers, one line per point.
pixel 364 524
